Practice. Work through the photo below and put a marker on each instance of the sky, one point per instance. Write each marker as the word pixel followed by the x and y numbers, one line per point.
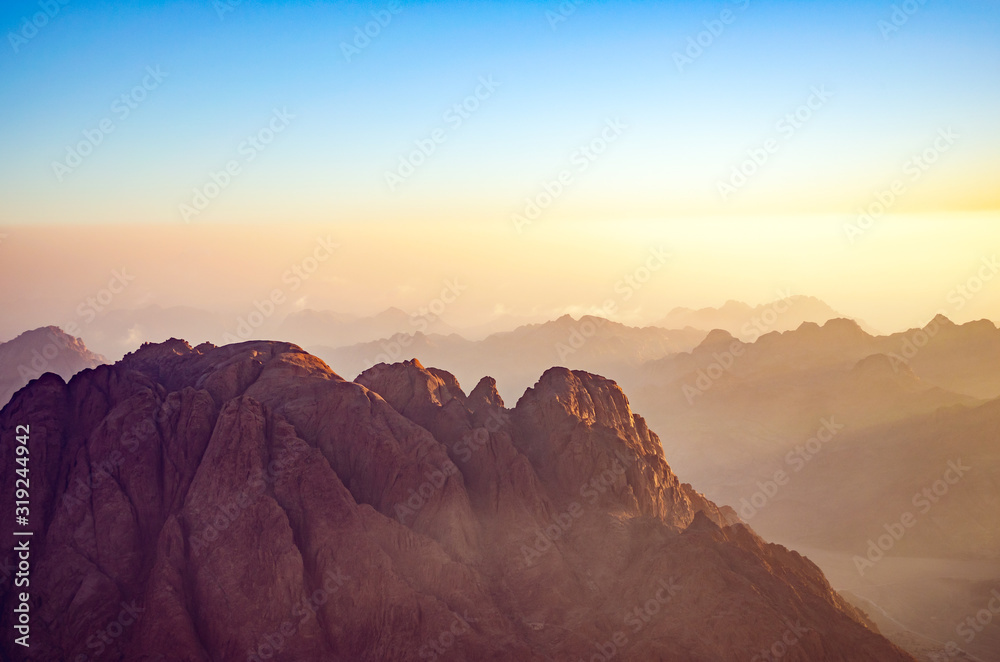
pixel 537 150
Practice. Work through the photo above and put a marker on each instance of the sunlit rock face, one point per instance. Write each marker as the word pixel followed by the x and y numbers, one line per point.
pixel 246 503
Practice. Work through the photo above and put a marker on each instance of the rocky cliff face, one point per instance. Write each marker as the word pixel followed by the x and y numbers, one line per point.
pixel 246 503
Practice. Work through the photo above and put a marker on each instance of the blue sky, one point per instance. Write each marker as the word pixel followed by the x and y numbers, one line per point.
pixel 587 125
pixel 557 86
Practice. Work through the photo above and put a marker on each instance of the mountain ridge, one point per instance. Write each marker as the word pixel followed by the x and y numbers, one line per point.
pixel 535 528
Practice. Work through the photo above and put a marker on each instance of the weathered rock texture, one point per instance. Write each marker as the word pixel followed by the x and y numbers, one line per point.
pixel 245 503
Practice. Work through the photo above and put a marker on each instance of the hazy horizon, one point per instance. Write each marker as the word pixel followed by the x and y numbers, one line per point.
pixel 631 272
pixel 539 153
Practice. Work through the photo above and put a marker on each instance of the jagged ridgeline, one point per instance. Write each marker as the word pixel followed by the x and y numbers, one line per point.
pixel 246 503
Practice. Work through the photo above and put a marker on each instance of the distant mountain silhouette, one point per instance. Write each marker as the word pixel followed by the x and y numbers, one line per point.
pixel 117 332
pixel 515 358
pixel 312 327
pixel 750 322
pixel 33 353
pixel 857 425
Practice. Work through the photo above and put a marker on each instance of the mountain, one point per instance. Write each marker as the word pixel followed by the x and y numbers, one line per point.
pixel 312 327
pixel 498 324
pixel 953 356
pixel 823 437
pixel 917 533
pixel 887 465
pixel 515 358
pixel 47 349
pixel 729 410
pixel 117 332
pixel 750 322
pixel 246 503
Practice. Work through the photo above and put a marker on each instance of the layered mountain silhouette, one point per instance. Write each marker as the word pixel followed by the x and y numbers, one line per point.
pixel 316 327
pixel 750 322
pixel 357 338
pixel 751 399
pixel 117 332
pixel 516 358
pixel 246 503
pixel 825 436
pixel 33 353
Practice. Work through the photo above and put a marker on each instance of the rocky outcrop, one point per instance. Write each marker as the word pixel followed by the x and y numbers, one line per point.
pixel 246 503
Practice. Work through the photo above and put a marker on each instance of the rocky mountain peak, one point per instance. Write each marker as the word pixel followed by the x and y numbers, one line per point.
pixel 485 393
pixel 716 339
pixel 245 502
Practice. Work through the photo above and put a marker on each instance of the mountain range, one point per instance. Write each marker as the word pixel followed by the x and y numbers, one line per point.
pixel 245 502
pixel 820 437
pixel 116 332
pixel 825 437
pixel 515 358
pixel 748 323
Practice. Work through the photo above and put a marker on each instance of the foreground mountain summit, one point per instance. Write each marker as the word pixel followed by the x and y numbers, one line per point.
pixel 246 503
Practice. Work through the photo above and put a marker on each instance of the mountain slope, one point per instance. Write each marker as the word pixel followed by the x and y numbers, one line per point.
pixel 46 349
pixel 245 502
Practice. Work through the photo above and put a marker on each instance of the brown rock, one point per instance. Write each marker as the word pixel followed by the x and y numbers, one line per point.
pixel 245 502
